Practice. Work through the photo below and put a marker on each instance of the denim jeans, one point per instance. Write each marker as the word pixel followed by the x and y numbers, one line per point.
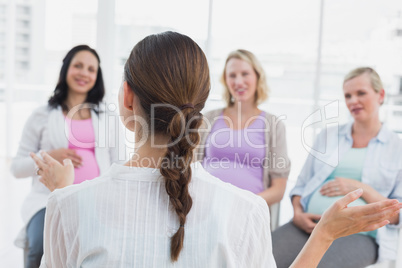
pixel 35 239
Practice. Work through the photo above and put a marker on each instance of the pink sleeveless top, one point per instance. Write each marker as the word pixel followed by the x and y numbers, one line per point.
pixel 81 138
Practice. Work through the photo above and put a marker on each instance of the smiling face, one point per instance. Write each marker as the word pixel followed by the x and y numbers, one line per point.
pixel 82 72
pixel 361 99
pixel 241 80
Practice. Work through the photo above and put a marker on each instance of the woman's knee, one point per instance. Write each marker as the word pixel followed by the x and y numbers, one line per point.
pixel 35 238
pixel 351 251
pixel 287 241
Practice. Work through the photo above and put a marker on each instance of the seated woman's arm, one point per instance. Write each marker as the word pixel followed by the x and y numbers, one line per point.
pixel 22 165
pixel 278 163
pixel 303 220
pixel 275 192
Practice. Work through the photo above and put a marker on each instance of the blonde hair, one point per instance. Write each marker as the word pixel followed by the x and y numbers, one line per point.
pixel 261 94
pixel 375 79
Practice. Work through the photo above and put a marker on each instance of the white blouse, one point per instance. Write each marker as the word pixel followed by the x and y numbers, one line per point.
pixel 123 219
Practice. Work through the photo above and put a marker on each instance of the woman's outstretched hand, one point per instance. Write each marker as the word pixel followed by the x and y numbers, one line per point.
pixel 53 174
pixel 340 220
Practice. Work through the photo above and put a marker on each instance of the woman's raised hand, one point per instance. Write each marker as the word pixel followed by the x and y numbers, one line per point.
pixel 340 220
pixel 53 174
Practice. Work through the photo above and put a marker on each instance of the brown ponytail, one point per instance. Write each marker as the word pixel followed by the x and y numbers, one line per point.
pixel 177 172
pixel 171 69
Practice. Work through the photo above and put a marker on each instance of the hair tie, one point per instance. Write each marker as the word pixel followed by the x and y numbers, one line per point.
pixel 181 226
pixel 187 105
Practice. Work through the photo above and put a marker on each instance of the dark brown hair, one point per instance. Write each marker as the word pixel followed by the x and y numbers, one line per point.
pixel 171 69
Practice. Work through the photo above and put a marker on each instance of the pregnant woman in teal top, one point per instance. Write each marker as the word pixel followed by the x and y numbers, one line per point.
pixel 367 156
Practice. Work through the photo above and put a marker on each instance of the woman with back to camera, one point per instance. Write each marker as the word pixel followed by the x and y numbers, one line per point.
pixel 158 210
pixel 368 157
pixel 71 126
pixel 241 144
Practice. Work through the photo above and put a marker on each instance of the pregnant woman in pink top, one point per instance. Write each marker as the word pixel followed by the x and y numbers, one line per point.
pixel 75 125
pixel 81 140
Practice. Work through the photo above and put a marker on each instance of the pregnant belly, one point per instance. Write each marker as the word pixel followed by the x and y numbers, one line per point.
pixel 89 168
pixel 319 203
pixel 246 178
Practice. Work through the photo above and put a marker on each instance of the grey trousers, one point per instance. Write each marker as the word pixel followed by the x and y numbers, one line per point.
pixel 353 251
